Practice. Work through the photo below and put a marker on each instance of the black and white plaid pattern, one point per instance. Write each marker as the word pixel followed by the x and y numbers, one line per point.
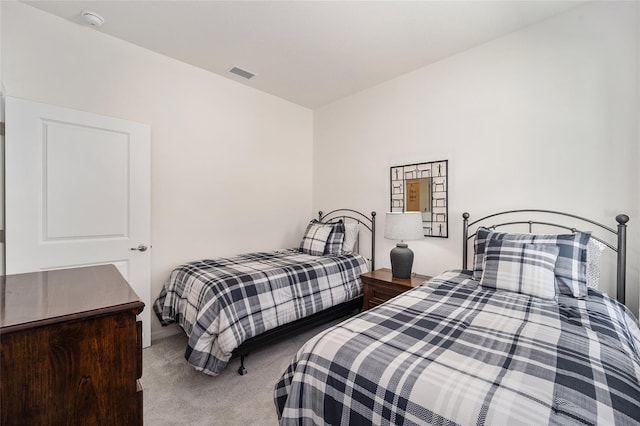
pixel 336 239
pixel 315 238
pixel 222 302
pixel 523 268
pixel 571 265
pixel 452 352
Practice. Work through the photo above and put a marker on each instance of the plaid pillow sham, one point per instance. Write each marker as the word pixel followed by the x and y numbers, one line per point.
pixel 315 238
pixel 570 270
pixel 336 238
pixel 479 244
pixel 520 267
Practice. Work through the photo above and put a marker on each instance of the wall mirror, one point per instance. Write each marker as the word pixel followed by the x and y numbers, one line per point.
pixel 423 187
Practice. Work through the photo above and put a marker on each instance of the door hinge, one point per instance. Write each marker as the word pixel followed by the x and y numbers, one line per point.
pixel 1 128
pixel 2 236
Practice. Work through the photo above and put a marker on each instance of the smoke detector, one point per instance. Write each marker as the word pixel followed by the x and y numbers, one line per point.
pixel 92 18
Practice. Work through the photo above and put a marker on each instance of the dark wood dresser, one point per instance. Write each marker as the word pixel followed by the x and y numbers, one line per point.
pixel 71 348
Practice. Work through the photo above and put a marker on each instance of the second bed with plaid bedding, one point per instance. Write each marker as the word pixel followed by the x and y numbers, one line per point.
pixel 452 352
pixel 222 302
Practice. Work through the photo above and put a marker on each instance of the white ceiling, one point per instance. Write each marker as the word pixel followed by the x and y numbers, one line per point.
pixel 310 52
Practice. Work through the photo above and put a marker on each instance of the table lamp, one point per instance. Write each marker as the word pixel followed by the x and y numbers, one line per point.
pixel 403 226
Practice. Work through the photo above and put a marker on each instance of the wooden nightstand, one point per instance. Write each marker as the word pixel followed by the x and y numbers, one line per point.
pixel 380 286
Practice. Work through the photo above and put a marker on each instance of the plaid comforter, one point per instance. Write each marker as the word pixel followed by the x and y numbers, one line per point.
pixel 221 303
pixel 451 352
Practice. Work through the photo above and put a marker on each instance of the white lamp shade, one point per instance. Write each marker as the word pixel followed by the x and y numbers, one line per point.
pixel 403 226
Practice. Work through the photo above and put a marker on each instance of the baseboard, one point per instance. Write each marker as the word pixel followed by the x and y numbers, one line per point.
pixel 164 332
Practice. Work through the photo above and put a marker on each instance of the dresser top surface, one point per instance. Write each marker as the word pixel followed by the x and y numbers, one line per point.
pixel 51 296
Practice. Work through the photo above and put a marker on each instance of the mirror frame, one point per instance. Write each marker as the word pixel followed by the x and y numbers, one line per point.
pixel 436 224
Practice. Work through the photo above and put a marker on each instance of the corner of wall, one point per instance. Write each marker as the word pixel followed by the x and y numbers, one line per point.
pixel 638 130
pixel 1 80
pixel 2 92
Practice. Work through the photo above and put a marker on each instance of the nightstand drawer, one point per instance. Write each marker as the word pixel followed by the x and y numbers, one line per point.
pixel 380 286
pixel 374 302
pixel 384 292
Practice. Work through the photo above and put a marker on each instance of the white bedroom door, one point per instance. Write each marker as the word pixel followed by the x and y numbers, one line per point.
pixel 77 193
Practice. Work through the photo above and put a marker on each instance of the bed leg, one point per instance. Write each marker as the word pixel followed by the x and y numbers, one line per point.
pixel 241 370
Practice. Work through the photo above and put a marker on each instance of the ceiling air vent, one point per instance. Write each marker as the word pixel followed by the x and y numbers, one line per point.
pixel 242 73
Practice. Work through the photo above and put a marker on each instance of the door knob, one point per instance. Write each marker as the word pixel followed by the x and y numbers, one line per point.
pixel 141 247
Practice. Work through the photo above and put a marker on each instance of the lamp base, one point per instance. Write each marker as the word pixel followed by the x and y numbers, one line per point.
pixel 401 261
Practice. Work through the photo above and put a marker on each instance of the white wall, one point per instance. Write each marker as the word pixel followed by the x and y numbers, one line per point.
pixel 2 270
pixel 545 117
pixel 231 166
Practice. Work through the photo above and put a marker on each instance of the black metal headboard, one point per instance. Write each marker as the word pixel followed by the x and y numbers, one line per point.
pixel 621 233
pixel 369 222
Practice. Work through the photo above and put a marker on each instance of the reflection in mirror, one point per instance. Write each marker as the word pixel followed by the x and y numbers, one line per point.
pixel 422 187
pixel 418 195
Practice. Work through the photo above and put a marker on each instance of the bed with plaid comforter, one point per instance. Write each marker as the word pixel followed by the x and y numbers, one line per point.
pixel 222 302
pixel 450 352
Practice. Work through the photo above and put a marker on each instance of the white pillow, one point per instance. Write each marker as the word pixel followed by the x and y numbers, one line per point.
pixel 350 236
pixel 594 250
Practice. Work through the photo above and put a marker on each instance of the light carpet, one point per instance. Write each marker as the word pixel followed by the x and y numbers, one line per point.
pixel 176 394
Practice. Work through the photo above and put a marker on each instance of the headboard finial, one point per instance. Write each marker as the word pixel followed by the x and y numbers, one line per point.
pixel 465 215
pixel 622 219
pixel 373 214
